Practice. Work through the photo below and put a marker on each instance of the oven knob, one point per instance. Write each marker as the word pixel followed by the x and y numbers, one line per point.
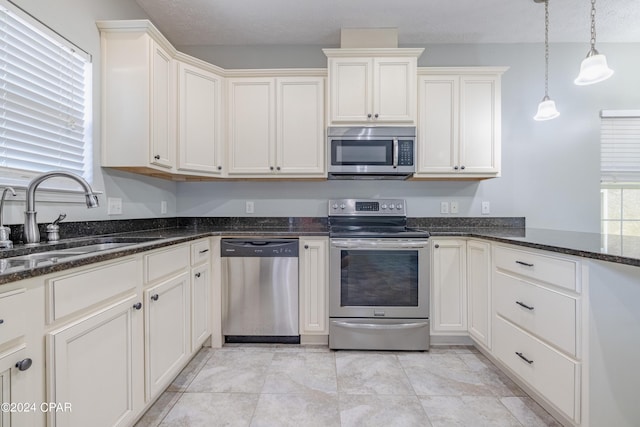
pixel 399 206
pixel 392 206
pixel 335 206
pixel 384 206
pixel 342 206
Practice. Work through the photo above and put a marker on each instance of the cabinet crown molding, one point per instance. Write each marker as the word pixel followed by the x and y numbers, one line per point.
pixel 367 52
pixel 425 71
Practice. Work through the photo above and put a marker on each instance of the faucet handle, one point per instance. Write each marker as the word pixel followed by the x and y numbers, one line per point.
pixel 60 218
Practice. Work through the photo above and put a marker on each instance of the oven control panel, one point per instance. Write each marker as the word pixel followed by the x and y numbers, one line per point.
pixel 367 207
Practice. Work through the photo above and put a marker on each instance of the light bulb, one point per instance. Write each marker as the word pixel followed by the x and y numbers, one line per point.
pixel 546 110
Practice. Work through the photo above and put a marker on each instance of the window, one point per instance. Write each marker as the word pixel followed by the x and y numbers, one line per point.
pixel 620 172
pixel 45 101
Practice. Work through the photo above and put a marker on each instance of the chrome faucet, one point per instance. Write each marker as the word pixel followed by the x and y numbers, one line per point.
pixel 5 242
pixel 31 232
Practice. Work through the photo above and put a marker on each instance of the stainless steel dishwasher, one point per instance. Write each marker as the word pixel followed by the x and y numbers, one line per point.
pixel 260 290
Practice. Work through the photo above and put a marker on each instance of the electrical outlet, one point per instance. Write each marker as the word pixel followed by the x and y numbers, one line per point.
pixel 114 206
pixel 454 207
pixel 486 208
pixel 444 207
pixel 249 207
pixel 163 207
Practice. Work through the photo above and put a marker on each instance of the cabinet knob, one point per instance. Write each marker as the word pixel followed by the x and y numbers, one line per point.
pixel 306 246
pixel 455 167
pixel 24 364
pixel 376 115
pixel 155 297
pixel 219 168
pixel 278 168
pixel 1 321
pixel 436 246
pixel 137 305
pixel 369 116
pixel 271 167
pixel 157 157
pixel 198 275
pixel 462 167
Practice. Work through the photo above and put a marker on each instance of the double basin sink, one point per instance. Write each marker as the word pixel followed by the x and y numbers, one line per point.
pixel 78 248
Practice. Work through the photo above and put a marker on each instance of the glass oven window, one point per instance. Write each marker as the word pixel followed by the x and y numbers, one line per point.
pixel 379 278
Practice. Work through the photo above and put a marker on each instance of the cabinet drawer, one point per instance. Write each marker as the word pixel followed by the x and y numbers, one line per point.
pixel 162 263
pixel 549 315
pixel 70 293
pixel 553 375
pixel 200 251
pixel 12 315
pixel 556 271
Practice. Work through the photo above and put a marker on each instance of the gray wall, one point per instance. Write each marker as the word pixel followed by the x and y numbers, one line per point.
pixel 550 169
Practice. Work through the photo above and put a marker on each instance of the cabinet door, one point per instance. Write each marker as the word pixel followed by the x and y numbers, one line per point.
pixel 200 305
pixel 163 102
pixel 480 117
pixel 350 89
pixel 12 385
pixel 167 336
pixel 438 124
pixel 449 286
pixel 95 364
pixel 479 281
pixel 251 131
pixel 314 308
pixel 394 90
pixel 199 120
pixel 300 127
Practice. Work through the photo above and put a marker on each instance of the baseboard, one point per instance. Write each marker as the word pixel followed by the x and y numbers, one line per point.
pixel 437 340
pixel 314 339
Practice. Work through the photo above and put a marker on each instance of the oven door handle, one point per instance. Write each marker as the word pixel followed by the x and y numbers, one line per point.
pixel 395 326
pixel 366 244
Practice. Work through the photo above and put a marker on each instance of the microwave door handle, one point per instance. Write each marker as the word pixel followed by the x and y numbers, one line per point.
pixel 395 153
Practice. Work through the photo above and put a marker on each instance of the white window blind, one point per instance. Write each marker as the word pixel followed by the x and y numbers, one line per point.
pixel 44 98
pixel 620 146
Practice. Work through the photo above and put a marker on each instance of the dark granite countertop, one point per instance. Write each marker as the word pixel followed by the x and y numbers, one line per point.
pixel 617 249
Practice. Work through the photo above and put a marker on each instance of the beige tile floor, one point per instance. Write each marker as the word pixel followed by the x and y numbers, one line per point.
pixel 280 385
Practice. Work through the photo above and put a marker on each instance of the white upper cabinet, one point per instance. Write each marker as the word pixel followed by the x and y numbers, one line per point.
pixel 138 96
pixel 459 123
pixel 199 120
pixel 276 127
pixel 372 86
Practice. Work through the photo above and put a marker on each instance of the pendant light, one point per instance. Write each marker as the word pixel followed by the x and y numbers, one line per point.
pixel 594 67
pixel 547 107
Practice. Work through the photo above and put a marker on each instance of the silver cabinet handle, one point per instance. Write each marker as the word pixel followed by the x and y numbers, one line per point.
pixel 520 355
pixel 526 264
pixel 528 307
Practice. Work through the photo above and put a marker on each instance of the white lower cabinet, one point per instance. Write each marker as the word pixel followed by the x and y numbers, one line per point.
pixel 167 337
pixel 201 314
pixel 96 366
pixel 479 291
pixel 448 286
pixel 314 292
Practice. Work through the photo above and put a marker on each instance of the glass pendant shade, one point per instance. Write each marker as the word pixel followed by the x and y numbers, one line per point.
pixel 546 110
pixel 593 69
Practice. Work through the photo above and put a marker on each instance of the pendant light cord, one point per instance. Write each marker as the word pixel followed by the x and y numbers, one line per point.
pixel 546 48
pixel 593 25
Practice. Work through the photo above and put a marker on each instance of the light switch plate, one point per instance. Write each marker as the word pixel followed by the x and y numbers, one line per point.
pixel 444 207
pixel 454 207
pixel 486 208
pixel 114 206
pixel 249 207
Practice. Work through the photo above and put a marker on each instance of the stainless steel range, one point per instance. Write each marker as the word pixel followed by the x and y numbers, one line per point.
pixel 379 277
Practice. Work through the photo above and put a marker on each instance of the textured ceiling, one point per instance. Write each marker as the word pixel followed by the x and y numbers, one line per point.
pixel 307 22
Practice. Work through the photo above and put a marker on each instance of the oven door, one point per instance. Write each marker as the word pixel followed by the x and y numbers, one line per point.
pixel 379 278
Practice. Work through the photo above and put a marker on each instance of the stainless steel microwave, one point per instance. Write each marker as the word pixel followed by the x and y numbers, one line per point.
pixel 371 152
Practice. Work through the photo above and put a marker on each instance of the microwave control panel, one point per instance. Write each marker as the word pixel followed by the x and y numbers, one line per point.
pixel 405 153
